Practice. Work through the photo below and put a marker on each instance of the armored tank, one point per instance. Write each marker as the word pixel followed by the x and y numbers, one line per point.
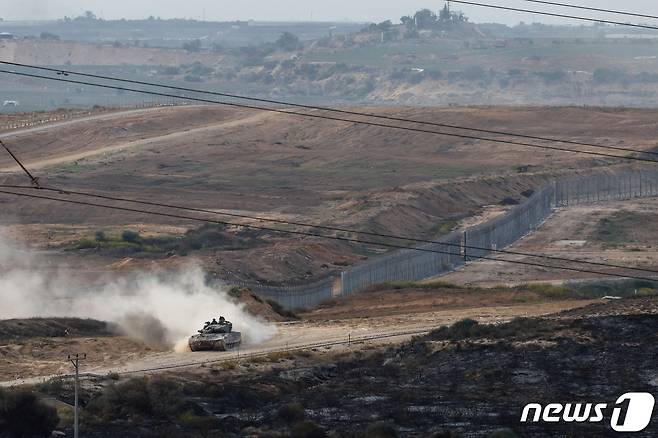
pixel 215 336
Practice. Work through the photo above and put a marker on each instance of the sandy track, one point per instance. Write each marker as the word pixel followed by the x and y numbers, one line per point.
pixel 73 122
pixel 297 335
pixel 172 137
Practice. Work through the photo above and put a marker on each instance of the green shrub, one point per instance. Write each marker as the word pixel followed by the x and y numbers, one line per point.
pixel 553 76
pixel 288 42
pixel 278 356
pixel 228 365
pixel 86 244
pixel 22 415
pixel 130 236
pixel 465 328
pixel 235 291
pixel 280 310
pixel 518 328
pixel 606 75
pixel 164 397
pixel 170 71
pixel 199 69
pixel 193 78
pixel 202 424
pixel 52 386
pixel 192 46
pixel 647 292
pixel 139 396
pixel 549 290
pixel 100 236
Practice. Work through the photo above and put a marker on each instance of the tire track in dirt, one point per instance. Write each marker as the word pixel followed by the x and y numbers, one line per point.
pixel 36 165
pixel 67 123
pixel 308 334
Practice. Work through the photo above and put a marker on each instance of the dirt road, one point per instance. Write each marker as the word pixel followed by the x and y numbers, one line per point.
pixel 124 146
pixel 68 123
pixel 309 333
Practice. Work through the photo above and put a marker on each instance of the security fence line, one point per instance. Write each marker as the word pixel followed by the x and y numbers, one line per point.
pixel 36 119
pixel 452 251
pixel 292 296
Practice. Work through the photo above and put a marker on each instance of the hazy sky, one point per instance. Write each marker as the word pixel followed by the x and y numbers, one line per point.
pixel 296 10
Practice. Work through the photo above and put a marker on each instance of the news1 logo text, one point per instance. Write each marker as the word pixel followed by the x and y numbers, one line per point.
pixel 630 413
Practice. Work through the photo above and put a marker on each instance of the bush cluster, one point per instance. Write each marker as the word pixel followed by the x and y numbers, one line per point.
pixel 526 328
pixel 22 415
pixel 139 397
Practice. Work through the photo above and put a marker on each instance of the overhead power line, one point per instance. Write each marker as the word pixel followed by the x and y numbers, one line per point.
pixel 333 118
pixel 554 14
pixel 310 234
pixel 323 108
pixel 323 227
pixel 589 8
pixel 35 181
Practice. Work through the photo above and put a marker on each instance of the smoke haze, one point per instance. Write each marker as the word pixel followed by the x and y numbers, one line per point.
pixel 156 307
pixel 288 10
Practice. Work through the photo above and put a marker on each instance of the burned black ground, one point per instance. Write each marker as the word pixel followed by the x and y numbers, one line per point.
pixel 468 380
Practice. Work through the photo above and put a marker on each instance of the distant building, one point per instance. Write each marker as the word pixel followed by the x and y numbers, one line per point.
pixel 6 36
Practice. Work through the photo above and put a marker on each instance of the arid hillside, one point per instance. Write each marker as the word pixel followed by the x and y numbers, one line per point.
pixel 322 172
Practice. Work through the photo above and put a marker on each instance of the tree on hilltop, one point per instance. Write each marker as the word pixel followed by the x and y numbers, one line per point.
pixel 288 42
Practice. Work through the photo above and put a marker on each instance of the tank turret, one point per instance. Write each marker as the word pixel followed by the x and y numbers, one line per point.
pixel 215 336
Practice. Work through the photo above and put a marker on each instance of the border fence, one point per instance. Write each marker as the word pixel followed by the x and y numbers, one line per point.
pixel 15 121
pixel 292 296
pixel 454 250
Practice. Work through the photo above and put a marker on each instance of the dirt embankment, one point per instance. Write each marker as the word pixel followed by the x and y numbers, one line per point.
pixel 397 300
pixel 40 346
pixel 17 329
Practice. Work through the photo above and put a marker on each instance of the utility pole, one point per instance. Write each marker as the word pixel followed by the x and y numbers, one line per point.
pixel 75 360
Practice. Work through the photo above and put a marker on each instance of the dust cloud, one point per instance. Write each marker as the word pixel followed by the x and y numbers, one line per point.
pixel 160 308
